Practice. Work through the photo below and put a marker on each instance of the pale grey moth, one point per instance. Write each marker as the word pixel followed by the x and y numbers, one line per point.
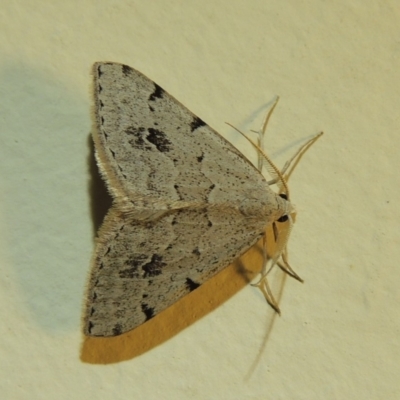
pixel 186 202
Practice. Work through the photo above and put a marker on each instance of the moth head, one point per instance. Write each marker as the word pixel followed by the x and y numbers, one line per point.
pixel 289 208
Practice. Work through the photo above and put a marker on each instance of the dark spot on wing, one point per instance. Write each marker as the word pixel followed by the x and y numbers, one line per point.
pixel 153 267
pixel 196 123
pixel 148 311
pixel 126 70
pixel 191 285
pixel 99 72
pixel 200 158
pixel 138 136
pixel 159 139
pixel 176 217
pixel 90 326
pixel 176 187
pixel 117 330
pixel 134 262
pixel 196 251
pixel 129 273
pixel 157 94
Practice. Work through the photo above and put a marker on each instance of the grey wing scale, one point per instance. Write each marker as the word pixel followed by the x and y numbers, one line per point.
pixel 137 141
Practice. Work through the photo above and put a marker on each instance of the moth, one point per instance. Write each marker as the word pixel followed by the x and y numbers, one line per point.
pixel 186 203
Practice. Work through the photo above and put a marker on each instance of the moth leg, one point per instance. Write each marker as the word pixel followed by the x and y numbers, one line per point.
pixel 262 283
pixel 280 259
pixel 285 266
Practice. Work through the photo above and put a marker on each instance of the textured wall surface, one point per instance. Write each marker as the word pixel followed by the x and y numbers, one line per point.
pixel 336 68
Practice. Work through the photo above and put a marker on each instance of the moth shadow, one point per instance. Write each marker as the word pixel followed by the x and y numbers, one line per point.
pixel 101 199
pixel 176 318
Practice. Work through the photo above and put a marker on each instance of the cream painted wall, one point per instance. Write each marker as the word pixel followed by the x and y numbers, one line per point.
pixel 336 66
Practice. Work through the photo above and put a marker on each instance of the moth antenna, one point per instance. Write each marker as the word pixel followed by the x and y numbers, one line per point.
pixel 299 153
pixel 271 167
pixel 262 131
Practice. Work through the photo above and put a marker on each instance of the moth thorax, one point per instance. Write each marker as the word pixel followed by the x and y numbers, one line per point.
pixel 271 208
